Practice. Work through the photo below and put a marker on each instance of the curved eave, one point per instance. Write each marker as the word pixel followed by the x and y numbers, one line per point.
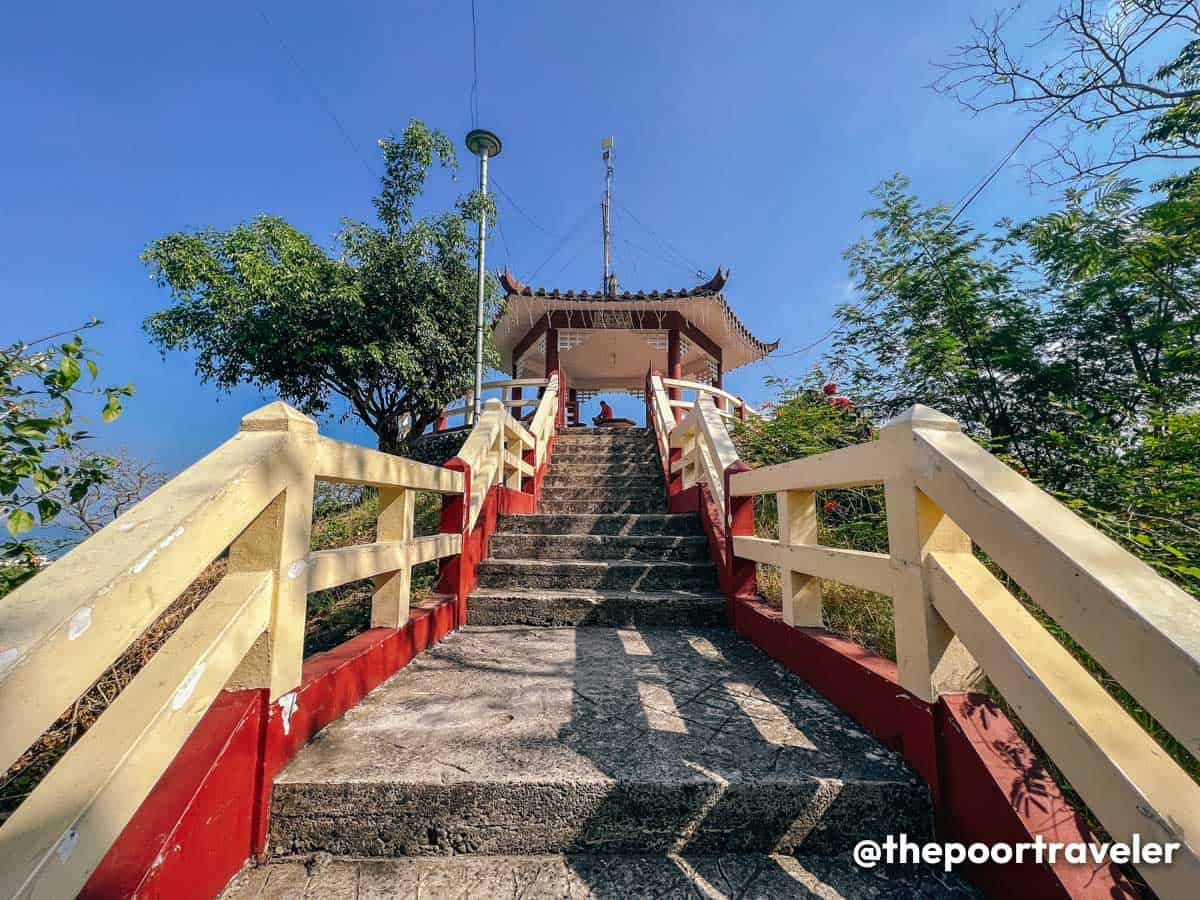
pixel 704 306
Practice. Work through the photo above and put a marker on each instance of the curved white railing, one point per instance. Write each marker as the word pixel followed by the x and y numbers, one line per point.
pixel 726 404
pixel 516 394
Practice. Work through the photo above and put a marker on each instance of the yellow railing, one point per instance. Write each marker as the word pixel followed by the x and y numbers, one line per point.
pixel 706 450
pixel 251 496
pixel 955 621
pixel 495 449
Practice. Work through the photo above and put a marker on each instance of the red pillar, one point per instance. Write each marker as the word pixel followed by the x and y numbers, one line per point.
pixel 674 368
pixel 551 351
pixel 572 407
pixel 517 411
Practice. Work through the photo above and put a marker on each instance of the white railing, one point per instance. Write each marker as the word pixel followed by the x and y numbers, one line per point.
pixel 505 391
pixel 251 496
pixel 726 404
pixel 706 450
pixel 955 620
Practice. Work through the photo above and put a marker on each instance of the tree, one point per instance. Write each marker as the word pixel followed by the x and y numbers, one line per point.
pixel 387 324
pixel 126 481
pixel 1069 344
pixel 945 319
pixel 1110 76
pixel 40 463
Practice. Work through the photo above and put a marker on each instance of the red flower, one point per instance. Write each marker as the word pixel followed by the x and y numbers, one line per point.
pixel 841 402
pixel 830 389
pixel 830 506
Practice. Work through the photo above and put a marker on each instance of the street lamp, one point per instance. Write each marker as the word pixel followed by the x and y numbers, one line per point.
pixel 483 144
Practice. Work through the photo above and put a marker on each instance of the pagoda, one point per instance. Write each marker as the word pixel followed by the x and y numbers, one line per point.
pixel 606 341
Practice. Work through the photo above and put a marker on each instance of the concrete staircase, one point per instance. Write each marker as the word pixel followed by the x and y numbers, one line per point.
pixel 530 756
pixel 603 551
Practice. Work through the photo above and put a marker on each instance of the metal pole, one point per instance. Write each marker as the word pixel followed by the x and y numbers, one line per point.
pixel 483 144
pixel 479 275
pixel 606 145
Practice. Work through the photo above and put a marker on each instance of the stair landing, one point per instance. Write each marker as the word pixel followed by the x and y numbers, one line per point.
pixel 524 741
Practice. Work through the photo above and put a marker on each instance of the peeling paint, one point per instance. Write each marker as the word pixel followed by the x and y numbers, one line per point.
pixel 66 845
pixel 170 538
pixel 188 685
pixel 8 657
pixel 127 526
pixel 296 569
pixel 80 622
pixel 287 705
pixel 143 562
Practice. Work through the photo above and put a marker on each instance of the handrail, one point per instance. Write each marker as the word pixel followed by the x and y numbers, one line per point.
pixel 706 448
pixel 953 617
pixel 701 389
pixel 944 494
pixel 465 406
pixel 63 628
pixel 494 449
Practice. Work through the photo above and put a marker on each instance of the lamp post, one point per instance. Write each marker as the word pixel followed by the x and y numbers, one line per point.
pixel 483 144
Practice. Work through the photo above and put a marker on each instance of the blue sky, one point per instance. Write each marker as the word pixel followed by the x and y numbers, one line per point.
pixel 747 135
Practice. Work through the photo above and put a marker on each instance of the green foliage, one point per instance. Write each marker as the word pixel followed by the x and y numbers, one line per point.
pixel 944 319
pixel 1069 345
pixel 807 418
pixel 386 325
pixel 40 462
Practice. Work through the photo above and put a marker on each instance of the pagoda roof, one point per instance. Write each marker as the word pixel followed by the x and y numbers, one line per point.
pixel 703 308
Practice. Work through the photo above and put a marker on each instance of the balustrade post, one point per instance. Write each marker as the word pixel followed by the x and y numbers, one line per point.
pixel 393 590
pixel 798 524
pixel 278 541
pixel 513 447
pixel 739 522
pixel 930 659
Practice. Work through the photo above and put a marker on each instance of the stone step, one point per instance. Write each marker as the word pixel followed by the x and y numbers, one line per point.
pixel 599 575
pixel 639 447
pixel 598 546
pixel 609 609
pixel 638 482
pixel 502 741
pixel 598 436
pixel 633 505
pixel 643 523
pixel 590 457
pixel 591 470
pixel 585 876
pixel 643 490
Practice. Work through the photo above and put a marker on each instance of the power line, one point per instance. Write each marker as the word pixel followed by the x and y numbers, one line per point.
pixel 569 236
pixel 317 93
pixel 532 221
pixel 680 255
pixel 503 239
pixel 970 198
pixel 475 69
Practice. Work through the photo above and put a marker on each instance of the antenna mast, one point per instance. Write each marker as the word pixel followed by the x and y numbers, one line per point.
pixel 609 287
